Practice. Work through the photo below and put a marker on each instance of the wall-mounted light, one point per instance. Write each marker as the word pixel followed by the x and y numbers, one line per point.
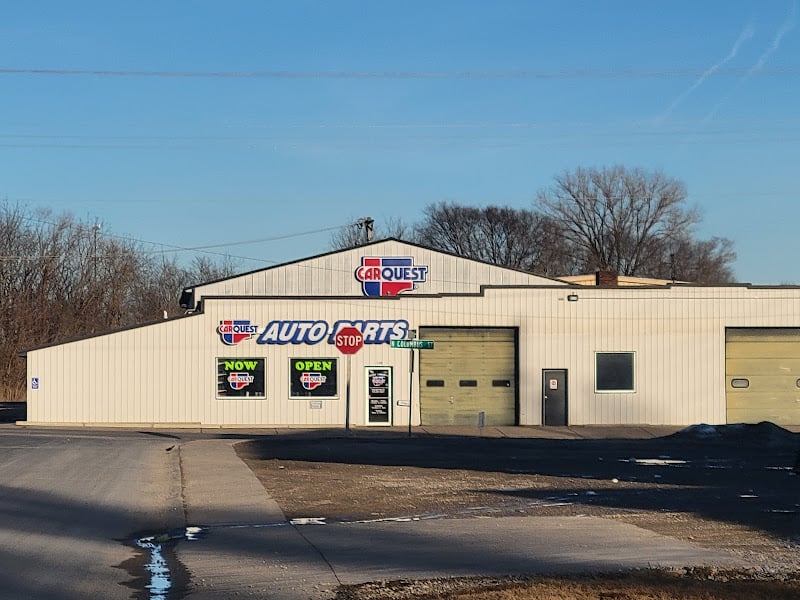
pixel 572 298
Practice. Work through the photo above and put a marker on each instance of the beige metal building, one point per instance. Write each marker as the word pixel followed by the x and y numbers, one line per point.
pixel 266 349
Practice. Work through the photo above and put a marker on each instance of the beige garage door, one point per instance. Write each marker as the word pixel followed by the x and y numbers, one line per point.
pixel 470 370
pixel 762 375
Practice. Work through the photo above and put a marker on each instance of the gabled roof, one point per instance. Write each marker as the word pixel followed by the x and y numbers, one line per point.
pixel 333 274
pixel 553 280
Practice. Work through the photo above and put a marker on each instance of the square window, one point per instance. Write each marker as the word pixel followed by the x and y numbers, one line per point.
pixel 241 378
pixel 313 378
pixel 614 372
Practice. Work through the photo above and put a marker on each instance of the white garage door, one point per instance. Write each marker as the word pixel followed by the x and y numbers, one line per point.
pixel 469 371
pixel 762 375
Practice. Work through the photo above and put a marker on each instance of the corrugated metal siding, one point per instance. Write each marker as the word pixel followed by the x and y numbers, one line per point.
pixel 165 372
pixel 145 375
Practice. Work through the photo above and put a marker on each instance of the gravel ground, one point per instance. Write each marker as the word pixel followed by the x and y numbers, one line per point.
pixel 732 487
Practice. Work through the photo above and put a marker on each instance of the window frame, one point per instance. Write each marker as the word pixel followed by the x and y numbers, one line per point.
pixel 597 367
pixel 259 373
pixel 319 393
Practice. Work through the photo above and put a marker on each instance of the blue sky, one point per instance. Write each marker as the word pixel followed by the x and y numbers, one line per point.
pixel 199 123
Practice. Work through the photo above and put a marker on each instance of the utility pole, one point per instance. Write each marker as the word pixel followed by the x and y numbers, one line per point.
pixel 367 223
pixel 96 230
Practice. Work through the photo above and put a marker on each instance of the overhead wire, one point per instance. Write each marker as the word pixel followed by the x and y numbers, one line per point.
pixel 400 135
pixel 669 72
pixel 205 249
pixel 258 240
pixel 201 249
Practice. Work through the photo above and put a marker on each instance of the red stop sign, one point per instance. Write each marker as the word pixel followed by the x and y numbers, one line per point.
pixel 349 340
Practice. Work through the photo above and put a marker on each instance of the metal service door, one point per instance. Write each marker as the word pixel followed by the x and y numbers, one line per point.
pixel 554 395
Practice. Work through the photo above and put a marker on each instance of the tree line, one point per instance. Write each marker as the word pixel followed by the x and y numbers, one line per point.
pixel 61 278
pixel 629 221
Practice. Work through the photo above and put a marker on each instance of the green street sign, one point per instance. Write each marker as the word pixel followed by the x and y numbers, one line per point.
pixel 413 344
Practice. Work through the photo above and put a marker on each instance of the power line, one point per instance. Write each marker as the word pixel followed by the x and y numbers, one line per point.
pixel 256 241
pixel 630 128
pixel 360 75
pixel 206 249
pixel 562 141
pixel 480 135
pixel 581 126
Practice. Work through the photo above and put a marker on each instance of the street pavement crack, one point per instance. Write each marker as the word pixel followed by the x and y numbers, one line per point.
pixel 317 550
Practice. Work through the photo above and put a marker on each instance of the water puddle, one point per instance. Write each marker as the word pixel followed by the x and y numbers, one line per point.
pixel 158 581
pixel 158 570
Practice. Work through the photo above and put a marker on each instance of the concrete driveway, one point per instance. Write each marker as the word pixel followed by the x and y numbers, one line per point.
pixel 72 504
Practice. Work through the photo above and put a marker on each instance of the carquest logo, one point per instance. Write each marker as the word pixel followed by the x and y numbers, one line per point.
pixel 233 331
pixel 312 381
pixel 389 276
pixel 239 381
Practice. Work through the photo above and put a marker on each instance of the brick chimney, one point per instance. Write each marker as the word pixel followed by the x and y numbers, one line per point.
pixel 606 278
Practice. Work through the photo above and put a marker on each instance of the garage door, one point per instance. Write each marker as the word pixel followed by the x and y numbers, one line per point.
pixel 470 370
pixel 762 375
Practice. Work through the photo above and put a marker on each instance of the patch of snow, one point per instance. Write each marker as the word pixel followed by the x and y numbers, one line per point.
pixel 308 521
pixel 702 430
pixel 655 462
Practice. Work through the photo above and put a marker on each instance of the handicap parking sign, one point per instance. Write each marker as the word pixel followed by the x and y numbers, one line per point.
pixel 34 383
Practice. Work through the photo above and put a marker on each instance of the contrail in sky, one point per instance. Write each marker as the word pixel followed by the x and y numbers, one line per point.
pixel 745 35
pixel 787 25
pixel 785 28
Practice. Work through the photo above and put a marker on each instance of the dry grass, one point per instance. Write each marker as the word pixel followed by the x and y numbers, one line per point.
pixel 636 588
pixel 640 585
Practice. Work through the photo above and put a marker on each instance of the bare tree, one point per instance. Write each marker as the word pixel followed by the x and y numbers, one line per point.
pixel 59 279
pixel 205 269
pixel 633 222
pixel 705 261
pixel 162 281
pixel 516 238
